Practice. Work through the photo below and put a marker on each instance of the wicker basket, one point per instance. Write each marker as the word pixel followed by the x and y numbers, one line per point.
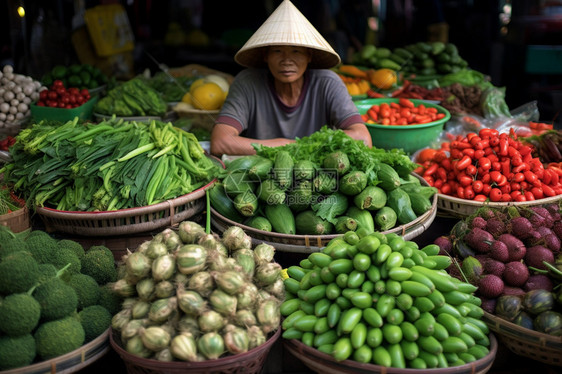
pixel 17 221
pixel 314 243
pixel 126 221
pixel 195 70
pixel 250 362
pixel 70 362
pixel 323 363
pixel 526 342
pixel 462 208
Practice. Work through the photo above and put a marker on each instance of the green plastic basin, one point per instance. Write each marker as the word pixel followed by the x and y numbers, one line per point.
pixel 410 138
pixel 83 112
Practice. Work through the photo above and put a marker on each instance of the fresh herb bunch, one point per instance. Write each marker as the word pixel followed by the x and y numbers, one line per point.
pixel 325 141
pixel 106 166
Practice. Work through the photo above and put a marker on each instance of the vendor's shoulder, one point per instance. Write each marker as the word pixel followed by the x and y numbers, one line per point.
pixel 323 74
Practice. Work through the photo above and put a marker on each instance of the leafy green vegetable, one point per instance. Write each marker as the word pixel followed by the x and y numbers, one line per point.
pixel 325 141
pixel 106 166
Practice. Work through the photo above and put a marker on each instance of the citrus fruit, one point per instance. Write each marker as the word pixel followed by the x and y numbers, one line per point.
pixel 383 78
pixel 187 98
pixel 196 83
pixel 208 96
pixel 222 82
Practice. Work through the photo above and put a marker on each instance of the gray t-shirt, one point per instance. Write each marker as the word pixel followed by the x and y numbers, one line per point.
pixel 254 109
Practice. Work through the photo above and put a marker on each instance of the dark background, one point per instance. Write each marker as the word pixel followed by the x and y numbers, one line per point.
pixel 497 38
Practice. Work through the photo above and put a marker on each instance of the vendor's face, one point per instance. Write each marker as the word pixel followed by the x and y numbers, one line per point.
pixel 287 63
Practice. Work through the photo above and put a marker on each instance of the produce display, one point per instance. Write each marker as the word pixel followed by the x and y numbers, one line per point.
pixel 369 295
pixel 7 142
pixel 133 98
pixel 82 76
pixel 547 146
pixel 59 96
pixel 111 165
pixel 17 92
pixel 421 58
pixel 513 256
pixel 490 166
pixel 376 298
pixel 322 184
pixel 55 296
pixel 190 295
pixel 9 202
pixel 403 112
pixel 172 90
pixel 205 93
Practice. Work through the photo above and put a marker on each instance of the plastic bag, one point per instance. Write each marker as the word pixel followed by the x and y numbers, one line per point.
pixel 492 102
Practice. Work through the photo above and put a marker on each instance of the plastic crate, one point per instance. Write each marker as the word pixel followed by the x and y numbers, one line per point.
pixel 84 112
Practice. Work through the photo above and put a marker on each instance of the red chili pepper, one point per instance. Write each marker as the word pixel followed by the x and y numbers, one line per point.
pixel 548 191
pixel 430 170
pixel 463 162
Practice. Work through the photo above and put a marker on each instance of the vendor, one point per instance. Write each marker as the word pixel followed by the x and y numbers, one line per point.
pixel 288 90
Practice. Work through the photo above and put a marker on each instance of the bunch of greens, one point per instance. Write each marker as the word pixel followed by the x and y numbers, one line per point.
pixel 7 203
pixel 171 90
pixel 132 98
pixel 325 141
pixel 106 166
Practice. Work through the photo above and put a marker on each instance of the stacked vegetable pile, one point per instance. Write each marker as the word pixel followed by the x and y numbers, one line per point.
pixel 193 296
pixel 106 166
pixel 55 296
pixel 59 96
pixel 378 298
pixel 513 256
pixel 490 166
pixel 172 90
pixel 547 146
pixel 17 92
pixel 322 184
pixel 82 76
pixel 421 58
pixel 132 99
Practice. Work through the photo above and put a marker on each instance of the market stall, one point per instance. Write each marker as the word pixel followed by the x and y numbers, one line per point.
pixel 126 245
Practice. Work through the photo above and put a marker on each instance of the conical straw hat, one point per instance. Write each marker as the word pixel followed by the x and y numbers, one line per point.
pixel 287 26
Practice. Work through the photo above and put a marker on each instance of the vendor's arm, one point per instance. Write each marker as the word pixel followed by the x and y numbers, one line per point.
pixel 225 139
pixel 359 131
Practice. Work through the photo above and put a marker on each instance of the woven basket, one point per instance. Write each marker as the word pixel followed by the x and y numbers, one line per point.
pixel 526 342
pixel 462 208
pixel 314 243
pixel 126 221
pixel 323 363
pixel 70 362
pixel 17 221
pixel 251 362
pixel 195 70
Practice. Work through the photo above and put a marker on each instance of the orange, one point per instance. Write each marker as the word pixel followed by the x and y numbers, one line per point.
pixel 383 78
pixel 208 96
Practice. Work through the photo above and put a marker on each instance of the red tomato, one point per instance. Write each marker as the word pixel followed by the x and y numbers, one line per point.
pixel 495 194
